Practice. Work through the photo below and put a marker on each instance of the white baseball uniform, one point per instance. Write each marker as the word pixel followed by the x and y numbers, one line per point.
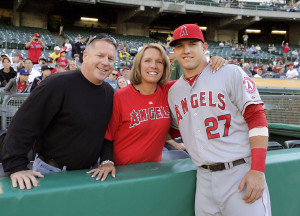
pixel 209 115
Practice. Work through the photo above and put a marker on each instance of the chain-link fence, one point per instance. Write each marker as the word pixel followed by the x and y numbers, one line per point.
pixel 282 108
pixel 10 106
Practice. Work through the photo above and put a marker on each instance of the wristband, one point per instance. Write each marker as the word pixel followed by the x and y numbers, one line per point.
pixel 106 162
pixel 258 160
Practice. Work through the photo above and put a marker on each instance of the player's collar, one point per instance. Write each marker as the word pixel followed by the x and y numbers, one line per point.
pixel 192 79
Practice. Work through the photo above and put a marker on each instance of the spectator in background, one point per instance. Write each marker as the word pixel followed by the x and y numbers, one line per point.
pixel 62 61
pixel 175 68
pixel 42 61
pixel 285 51
pixel 46 71
pixel 169 38
pixel 18 63
pixel 112 79
pixel 228 59
pixel 253 49
pixel 120 47
pixel 246 67
pixel 296 63
pixel 59 69
pixel 35 48
pixel 274 48
pixel 49 62
pixel 277 67
pixel 273 62
pixel 125 73
pixel 7 72
pixel 242 62
pixel 55 54
pixel 68 47
pixel 132 49
pixel 123 54
pixel 251 66
pixel 258 49
pixel 77 39
pixel 81 47
pixel 121 82
pixel 295 54
pixel 270 68
pixel 74 49
pixel 32 72
pixel 72 65
pixel 245 39
pixel 258 74
pixel 76 58
pixel 292 73
pixel 18 85
pixel 270 48
pixel 280 74
pixel 235 61
pixel 255 70
pixel 264 71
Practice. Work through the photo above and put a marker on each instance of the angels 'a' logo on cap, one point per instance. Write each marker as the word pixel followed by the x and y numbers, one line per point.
pixel 183 31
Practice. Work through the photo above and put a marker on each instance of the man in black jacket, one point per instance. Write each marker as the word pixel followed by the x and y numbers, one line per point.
pixel 65 119
pixel 80 48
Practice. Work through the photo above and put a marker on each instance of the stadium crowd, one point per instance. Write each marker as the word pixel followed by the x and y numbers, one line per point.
pixel 68 56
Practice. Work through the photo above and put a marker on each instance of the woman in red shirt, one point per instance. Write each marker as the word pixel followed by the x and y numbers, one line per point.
pixel 140 119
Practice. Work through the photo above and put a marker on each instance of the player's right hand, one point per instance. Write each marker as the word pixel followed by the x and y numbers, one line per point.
pixel 25 178
pixel 255 182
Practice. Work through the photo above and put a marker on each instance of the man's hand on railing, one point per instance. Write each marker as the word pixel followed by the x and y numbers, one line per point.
pixel 25 178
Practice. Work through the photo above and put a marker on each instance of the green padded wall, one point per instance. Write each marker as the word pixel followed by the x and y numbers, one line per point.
pixel 149 189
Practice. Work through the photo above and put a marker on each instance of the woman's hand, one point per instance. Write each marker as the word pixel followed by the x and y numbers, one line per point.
pixel 103 170
pixel 216 62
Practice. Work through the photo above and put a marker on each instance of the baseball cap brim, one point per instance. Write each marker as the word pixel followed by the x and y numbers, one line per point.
pixel 187 31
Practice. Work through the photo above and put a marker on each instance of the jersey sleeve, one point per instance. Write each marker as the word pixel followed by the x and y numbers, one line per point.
pixel 243 90
pixel 115 119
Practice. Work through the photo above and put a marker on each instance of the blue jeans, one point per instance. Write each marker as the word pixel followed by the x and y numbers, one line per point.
pixel 44 168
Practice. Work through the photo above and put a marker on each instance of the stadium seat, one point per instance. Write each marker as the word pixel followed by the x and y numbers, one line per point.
pixel 272 145
pixel 174 155
pixel 292 143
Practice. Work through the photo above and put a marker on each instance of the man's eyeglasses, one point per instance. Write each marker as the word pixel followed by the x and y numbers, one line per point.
pixel 114 74
pixel 102 36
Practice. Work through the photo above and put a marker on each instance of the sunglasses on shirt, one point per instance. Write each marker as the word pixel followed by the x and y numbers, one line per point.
pixel 102 36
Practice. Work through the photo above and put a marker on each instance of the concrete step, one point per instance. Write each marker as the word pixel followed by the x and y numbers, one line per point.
pixel 59 40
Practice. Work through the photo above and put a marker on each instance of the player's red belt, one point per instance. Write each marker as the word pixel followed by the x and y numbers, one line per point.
pixel 221 166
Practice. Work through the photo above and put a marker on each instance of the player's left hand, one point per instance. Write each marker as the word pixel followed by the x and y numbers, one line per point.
pixel 255 182
pixel 216 62
pixel 102 171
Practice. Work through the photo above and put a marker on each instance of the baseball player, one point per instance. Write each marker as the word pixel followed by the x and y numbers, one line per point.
pixel 224 127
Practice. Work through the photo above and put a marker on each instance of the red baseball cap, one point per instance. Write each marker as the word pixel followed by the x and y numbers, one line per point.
pixel 291 64
pixel 63 49
pixel 255 68
pixel 187 31
pixel 20 56
pixel 36 35
pixel 125 68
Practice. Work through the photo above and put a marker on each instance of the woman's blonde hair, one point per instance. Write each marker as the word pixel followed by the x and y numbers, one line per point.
pixel 135 74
